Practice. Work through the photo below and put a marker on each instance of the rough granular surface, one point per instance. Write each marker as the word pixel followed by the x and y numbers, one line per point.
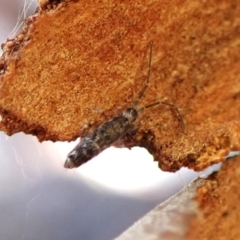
pixel 84 62
pixel 219 209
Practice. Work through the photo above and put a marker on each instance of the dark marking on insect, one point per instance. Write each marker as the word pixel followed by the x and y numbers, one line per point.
pixel 110 131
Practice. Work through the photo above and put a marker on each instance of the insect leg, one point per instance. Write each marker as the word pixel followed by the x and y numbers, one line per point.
pixel 83 131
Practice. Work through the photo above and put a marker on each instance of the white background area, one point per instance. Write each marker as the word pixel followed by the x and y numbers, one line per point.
pixel 98 201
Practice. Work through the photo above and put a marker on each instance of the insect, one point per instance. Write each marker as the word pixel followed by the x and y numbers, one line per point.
pixel 112 130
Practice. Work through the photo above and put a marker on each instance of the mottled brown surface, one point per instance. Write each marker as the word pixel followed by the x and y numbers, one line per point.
pixel 77 57
pixel 168 221
pixel 219 206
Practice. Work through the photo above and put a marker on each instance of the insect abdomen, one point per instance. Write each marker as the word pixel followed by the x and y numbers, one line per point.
pixel 82 153
pixel 102 138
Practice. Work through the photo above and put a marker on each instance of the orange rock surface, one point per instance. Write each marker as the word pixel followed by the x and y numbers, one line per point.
pixel 84 62
pixel 218 200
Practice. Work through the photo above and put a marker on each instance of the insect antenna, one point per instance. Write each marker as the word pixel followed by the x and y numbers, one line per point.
pixel 141 94
pixel 168 104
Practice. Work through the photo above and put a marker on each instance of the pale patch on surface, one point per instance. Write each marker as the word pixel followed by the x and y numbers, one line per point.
pixel 124 170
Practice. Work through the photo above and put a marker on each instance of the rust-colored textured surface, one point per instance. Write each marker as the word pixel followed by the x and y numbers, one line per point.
pixel 219 205
pixel 206 209
pixel 77 57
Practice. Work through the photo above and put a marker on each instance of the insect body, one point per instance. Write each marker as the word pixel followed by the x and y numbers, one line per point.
pixel 110 131
pixel 100 139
